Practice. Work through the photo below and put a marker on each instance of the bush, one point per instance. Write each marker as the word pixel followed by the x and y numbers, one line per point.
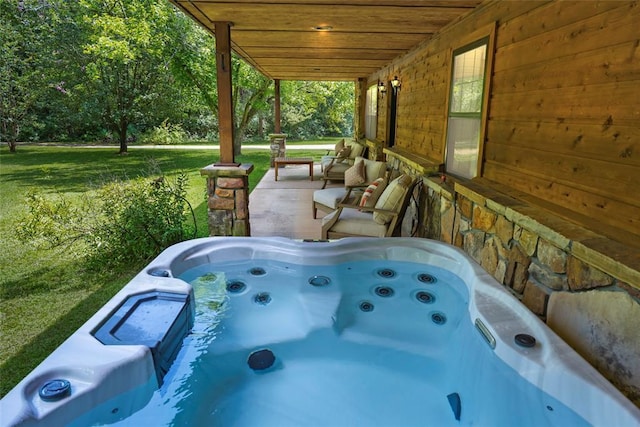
pixel 122 221
pixel 165 134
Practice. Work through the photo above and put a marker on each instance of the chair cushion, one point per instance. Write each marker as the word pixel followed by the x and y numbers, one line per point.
pixel 372 193
pixel 355 175
pixel 329 197
pixel 391 198
pixel 372 169
pixel 326 160
pixel 336 171
pixel 354 222
pixel 357 149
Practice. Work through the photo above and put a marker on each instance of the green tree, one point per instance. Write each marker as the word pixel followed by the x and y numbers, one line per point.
pixel 95 68
pixel 25 34
pixel 194 62
pixel 128 51
pixel 252 98
pixel 311 108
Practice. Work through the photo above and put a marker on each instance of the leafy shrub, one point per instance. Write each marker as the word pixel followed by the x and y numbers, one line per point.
pixel 120 222
pixel 165 134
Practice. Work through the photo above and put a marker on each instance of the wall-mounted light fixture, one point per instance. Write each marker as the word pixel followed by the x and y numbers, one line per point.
pixel 382 88
pixel 395 83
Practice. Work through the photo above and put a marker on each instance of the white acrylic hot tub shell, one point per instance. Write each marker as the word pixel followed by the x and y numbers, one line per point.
pixel 98 373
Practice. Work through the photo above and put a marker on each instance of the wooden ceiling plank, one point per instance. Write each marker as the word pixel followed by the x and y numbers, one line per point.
pixel 281 17
pixel 293 39
pixel 366 63
pixel 321 52
pixel 276 36
pixel 424 3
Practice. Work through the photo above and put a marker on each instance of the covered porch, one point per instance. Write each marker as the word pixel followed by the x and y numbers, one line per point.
pixel 283 208
pixel 544 194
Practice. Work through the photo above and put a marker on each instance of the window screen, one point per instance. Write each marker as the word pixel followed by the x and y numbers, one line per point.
pixel 465 109
pixel 371 112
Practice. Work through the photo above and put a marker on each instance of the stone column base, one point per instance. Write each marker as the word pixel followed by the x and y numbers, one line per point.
pixel 228 199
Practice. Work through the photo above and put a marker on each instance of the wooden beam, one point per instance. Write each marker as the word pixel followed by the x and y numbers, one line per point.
pixel 225 97
pixel 277 128
pixel 360 107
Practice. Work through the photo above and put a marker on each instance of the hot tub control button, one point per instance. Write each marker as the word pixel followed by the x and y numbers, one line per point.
pixel 525 340
pixel 55 390
pixel 160 273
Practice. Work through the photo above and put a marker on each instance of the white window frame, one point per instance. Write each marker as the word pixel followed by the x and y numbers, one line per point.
pixel 456 150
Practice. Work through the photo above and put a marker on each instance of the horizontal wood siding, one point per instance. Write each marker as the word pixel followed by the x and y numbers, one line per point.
pixel 564 107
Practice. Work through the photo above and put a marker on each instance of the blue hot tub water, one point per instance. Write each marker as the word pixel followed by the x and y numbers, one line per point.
pixel 370 343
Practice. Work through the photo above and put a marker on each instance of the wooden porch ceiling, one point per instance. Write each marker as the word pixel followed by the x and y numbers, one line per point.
pixel 278 37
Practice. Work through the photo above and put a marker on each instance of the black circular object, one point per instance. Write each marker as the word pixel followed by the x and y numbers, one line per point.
pixel 387 273
pixel 525 340
pixel 438 318
pixel 427 278
pixel 160 273
pixel 319 281
pixel 366 306
pixel 55 390
pixel 236 286
pixel 261 359
pixel 262 298
pixel 425 297
pixel 257 271
pixel 384 291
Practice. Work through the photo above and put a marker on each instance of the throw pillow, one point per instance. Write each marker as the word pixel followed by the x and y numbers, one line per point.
pixel 354 176
pixel 339 146
pixel 391 198
pixel 372 193
pixel 344 153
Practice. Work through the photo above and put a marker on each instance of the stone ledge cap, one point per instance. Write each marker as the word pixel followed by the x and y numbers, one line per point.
pixel 421 164
pixel 215 170
pixel 612 257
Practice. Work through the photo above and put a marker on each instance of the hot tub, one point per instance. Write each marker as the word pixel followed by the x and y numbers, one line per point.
pixel 275 332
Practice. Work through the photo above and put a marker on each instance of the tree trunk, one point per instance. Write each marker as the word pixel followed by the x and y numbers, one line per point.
pixel 122 137
pixel 238 137
pixel 123 143
pixel 12 146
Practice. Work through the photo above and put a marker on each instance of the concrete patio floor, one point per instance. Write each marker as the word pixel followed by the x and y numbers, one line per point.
pixel 283 208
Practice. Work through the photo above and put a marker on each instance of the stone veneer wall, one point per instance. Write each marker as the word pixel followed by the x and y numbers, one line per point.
pixel 550 269
pixel 374 150
pixel 228 199
pixel 585 286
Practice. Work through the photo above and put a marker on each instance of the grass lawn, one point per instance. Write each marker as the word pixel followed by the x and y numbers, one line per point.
pixel 45 295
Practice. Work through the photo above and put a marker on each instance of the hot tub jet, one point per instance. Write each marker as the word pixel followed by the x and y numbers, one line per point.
pixel 260 360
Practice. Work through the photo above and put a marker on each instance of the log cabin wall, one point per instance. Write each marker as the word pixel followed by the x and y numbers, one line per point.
pixel 554 214
pixel 563 111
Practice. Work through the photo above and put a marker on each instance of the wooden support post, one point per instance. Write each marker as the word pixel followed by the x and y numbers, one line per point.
pixel 225 97
pixel 360 107
pixel 276 89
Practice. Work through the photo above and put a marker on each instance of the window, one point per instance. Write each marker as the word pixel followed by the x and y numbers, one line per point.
pixel 371 113
pixel 467 106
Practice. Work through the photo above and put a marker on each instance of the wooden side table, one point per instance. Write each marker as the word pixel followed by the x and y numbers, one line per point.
pixel 294 161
